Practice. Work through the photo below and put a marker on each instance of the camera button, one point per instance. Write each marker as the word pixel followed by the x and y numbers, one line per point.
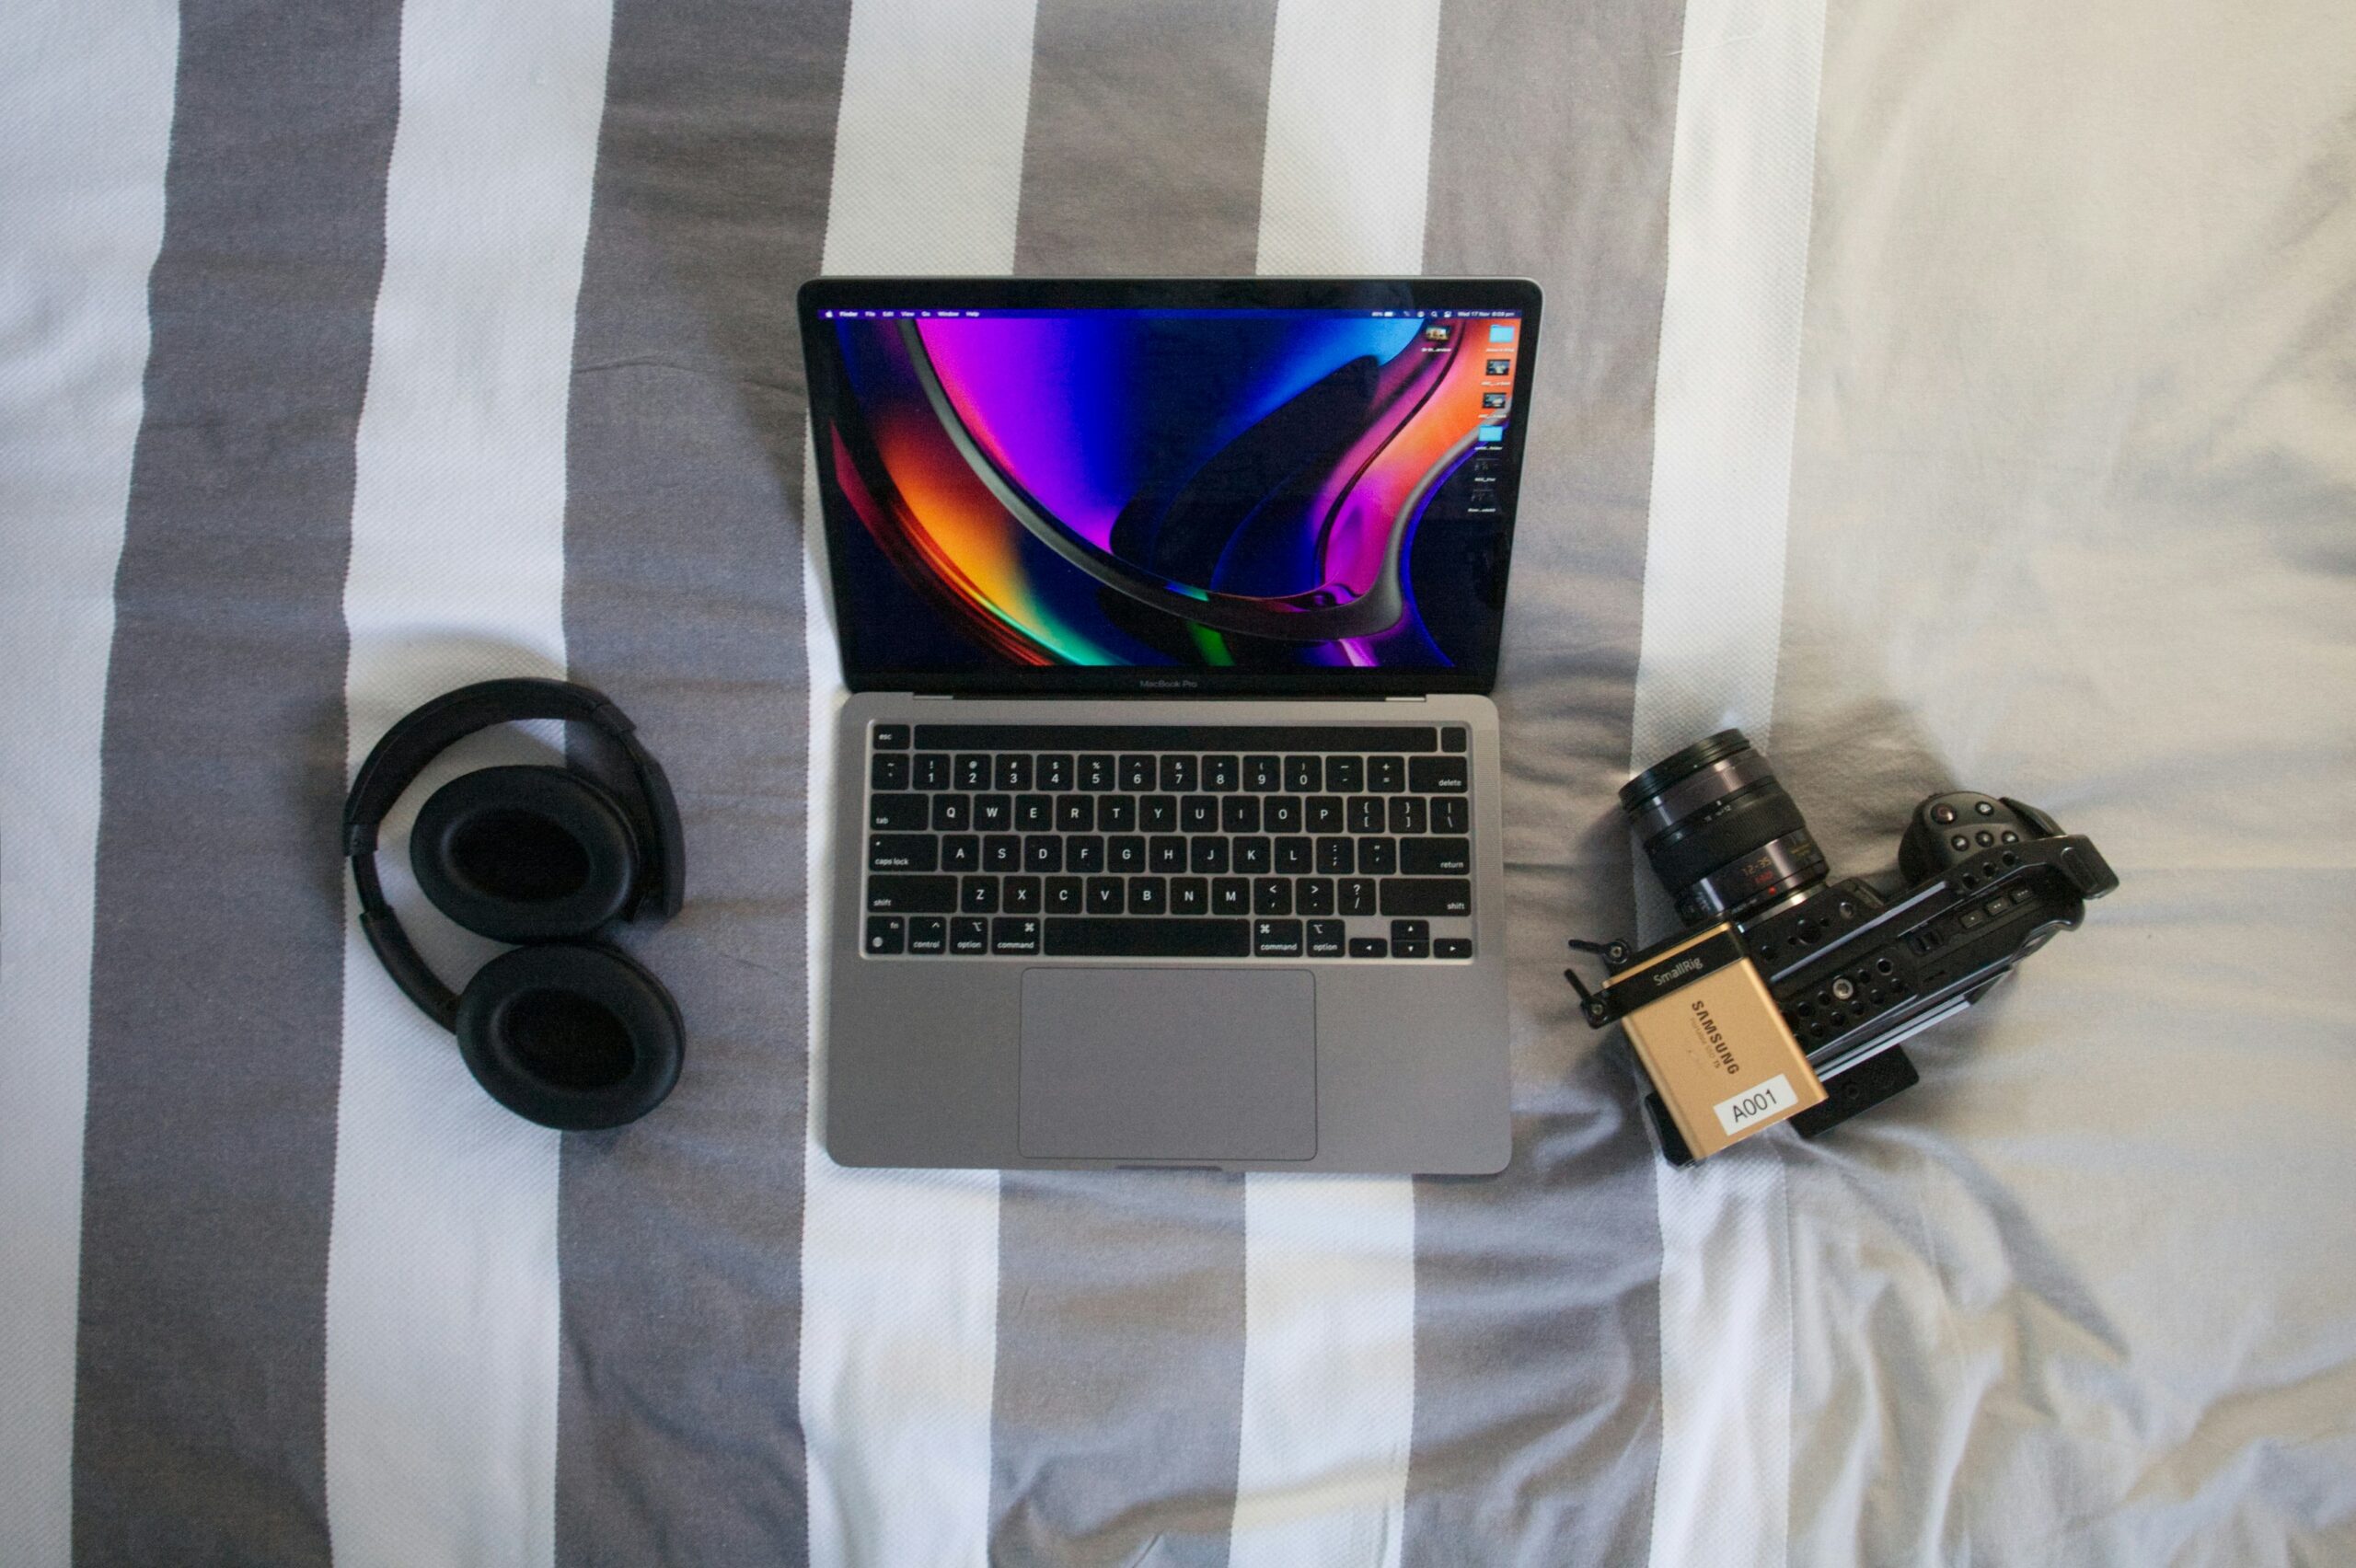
pixel 2012 837
pixel 1943 814
pixel 1986 838
pixel 1959 842
pixel 1985 808
pixel 1972 919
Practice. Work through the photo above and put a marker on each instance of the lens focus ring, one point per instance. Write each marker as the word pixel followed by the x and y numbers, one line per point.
pixel 1719 831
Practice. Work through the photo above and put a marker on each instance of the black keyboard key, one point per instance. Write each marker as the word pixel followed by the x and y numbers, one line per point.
pixel 1149 895
pixel 1324 814
pixel 1064 896
pixel 1282 814
pixel 1345 775
pixel 928 934
pixel 1427 895
pixel 968 936
pixel 1231 895
pixel 1412 949
pixel 1085 853
pixel 1014 772
pixel 1366 814
pixel 1313 895
pixel 889 771
pixel 1406 815
pixel 893 894
pixel 1239 813
pixel 1451 813
pixel 1263 775
pixel 1105 896
pixel 1189 895
pixel 1303 776
pixel 1453 947
pixel 960 852
pixel 1043 852
pixel 1369 947
pixel 1158 814
pixel 1252 856
pixel 1410 930
pixel 952 813
pixel 1293 858
pixel 1275 938
pixel 903 852
pixel 1076 813
pixel 1021 896
pixel 1117 814
pixel 977 896
pixel 1166 855
pixel 1271 895
pixel 1436 858
pixel 1096 773
pixel 1358 895
pixel 1379 857
pixel 1386 775
pixel 1001 852
pixel 1014 936
pixel 1125 854
pixel 1336 858
pixel 1454 738
pixel 932 770
pixel 1177 774
pixel 1055 772
pixel 1439 774
pixel 889 737
pixel 886 933
pixel 972 772
pixel 1221 774
pixel 1326 938
pixel 993 813
pixel 1034 813
pixel 1138 774
pixel 1208 856
pixel 898 813
pixel 1198 813
pixel 1148 939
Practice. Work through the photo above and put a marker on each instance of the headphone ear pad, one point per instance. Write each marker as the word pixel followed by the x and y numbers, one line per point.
pixel 525 854
pixel 571 1035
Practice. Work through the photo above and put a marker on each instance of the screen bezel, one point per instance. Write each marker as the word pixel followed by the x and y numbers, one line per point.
pixel 1477 674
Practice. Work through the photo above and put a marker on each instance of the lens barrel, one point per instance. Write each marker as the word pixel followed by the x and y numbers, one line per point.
pixel 1719 831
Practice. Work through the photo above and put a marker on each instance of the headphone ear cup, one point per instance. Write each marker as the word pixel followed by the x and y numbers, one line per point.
pixel 525 854
pixel 571 1035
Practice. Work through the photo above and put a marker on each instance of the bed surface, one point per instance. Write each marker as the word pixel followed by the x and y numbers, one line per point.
pixel 1950 396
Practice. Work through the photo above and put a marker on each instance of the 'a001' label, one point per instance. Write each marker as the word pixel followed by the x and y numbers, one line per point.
pixel 1756 1104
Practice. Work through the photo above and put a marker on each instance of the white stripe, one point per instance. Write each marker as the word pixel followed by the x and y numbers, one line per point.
pixel 1329 1263
pixel 899 1268
pixel 1738 214
pixel 85 109
pixel 441 1265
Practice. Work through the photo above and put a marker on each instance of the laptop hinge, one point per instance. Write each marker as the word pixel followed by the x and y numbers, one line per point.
pixel 1402 700
pixel 932 696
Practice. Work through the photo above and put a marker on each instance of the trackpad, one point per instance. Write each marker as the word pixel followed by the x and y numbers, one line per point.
pixel 1169 1064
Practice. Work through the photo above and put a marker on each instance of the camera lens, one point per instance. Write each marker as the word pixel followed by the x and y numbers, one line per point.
pixel 1719 831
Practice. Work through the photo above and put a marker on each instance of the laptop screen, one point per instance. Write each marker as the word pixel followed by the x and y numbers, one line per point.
pixel 1254 486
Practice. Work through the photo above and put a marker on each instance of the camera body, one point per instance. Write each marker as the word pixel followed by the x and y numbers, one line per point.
pixel 1854 971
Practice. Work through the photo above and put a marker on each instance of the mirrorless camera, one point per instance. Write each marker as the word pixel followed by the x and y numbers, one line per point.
pixel 1848 972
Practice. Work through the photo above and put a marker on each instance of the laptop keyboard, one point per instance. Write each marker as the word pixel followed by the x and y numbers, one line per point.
pixel 1168 841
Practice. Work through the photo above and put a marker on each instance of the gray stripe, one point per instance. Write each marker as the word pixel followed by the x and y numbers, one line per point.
pixel 1120 1340
pixel 1537 1337
pixel 678 1434
pixel 1147 127
pixel 217 963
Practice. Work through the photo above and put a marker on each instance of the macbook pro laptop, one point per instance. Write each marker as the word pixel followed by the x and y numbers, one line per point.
pixel 1166 828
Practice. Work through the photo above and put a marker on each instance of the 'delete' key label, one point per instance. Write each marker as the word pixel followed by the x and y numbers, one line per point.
pixel 1757 1105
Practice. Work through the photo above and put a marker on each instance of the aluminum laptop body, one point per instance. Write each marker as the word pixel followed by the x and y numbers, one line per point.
pixel 1166 820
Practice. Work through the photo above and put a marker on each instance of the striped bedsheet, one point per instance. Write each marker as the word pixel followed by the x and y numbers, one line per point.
pixel 1949 394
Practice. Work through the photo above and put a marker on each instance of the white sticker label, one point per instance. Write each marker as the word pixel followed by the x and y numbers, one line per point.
pixel 1755 1105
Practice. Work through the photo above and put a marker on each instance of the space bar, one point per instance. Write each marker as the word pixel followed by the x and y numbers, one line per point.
pixel 1148 939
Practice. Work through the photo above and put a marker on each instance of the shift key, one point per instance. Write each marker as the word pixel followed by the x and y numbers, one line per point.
pixel 912 895
pixel 1424 895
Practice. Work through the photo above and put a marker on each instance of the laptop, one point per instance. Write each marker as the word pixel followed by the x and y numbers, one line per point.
pixel 1166 828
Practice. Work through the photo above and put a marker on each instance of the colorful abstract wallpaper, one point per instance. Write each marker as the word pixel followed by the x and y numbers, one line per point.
pixel 1210 487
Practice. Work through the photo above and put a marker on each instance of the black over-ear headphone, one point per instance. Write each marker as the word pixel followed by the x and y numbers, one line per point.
pixel 564 1032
